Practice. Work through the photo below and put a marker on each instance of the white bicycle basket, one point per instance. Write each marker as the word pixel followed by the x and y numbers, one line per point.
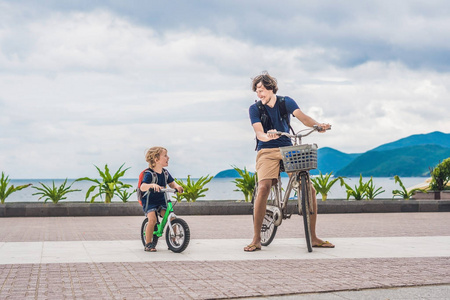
pixel 299 158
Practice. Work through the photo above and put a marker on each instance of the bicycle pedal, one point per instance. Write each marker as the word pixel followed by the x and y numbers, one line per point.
pixel 287 216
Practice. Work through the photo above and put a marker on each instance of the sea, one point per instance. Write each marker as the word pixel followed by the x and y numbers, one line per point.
pixel 219 189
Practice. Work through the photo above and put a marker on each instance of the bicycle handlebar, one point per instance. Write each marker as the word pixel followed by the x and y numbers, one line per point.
pixel 163 190
pixel 168 190
pixel 299 134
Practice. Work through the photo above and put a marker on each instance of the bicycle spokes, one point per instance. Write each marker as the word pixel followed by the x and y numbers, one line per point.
pixel 178 235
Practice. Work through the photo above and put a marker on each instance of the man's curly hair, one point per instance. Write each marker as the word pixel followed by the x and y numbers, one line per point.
pixel 269 82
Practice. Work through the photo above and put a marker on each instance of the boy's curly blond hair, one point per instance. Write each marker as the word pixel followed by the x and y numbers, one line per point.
pixel 153 155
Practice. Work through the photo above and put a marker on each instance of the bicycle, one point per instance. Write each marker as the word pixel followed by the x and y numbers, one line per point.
pixel 178 234
pixel 297 159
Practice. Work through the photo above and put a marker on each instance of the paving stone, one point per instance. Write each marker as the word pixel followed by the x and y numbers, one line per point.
pixel 223 278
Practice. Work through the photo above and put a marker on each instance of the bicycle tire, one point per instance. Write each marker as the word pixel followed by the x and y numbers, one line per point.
pixel 268 228
pixel 306 210
pixel 143 228
pixel 178 242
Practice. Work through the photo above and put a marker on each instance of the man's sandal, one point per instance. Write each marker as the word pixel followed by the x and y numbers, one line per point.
pixel 325 244
pixel 251 248
pixel 150 247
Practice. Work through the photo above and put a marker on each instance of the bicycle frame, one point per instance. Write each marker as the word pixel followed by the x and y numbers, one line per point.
pixel 281 200
pixel 294 178
pixel 168 216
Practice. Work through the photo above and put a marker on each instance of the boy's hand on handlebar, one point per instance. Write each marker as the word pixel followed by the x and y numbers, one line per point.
pixel 179 189
pixel 155 187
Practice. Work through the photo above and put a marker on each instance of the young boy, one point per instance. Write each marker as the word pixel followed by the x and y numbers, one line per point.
pixel 157 159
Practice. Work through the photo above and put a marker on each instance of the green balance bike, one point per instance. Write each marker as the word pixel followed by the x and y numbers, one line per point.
pixel 177 234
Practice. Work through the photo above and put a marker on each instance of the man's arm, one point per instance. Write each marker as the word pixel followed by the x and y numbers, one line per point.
pixel 308 121
pixel 261 135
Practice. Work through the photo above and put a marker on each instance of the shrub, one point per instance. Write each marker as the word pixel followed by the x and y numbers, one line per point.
pixel 109 185
pixel 440 176
pixel 54 193
pixel 5 191
pixel 371 190
pixel 246 184
pixel 192 189
pixel 124 195
pixel 404 193
pixel 360 190
pixel 322 184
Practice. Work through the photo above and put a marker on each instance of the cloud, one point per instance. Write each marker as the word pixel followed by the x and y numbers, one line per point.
pixel 100 83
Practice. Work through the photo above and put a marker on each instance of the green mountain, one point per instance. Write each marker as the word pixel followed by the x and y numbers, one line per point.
pixel 433 138
pixel 407 162
pixel 410 156
pixel 330 160
pixel 230 173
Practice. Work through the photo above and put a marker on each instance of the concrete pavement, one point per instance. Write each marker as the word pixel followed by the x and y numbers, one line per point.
pixel 428 292
pixel 219 250
pixel 103 258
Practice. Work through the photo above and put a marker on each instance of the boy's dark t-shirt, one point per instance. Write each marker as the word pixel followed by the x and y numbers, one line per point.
pixel 156 198
pixel 277 121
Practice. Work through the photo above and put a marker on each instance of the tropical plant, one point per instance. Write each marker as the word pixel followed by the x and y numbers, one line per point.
pixel 5 191
pixel 371 190
pixel 53 193
pixel 322 184
pixel 124 195
pixel 193 189
pixel 404 193
pixel 360 190
pixel 109 185
pixel 440 176
pixel 246 184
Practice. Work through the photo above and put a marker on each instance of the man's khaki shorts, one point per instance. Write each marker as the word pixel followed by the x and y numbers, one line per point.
pixel 268 163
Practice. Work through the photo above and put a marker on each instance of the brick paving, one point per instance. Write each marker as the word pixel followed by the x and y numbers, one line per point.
pixel 35 229
pixel 215 280
pixel 218 279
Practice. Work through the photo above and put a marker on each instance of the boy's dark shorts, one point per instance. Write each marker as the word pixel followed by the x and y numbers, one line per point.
pixel 154 207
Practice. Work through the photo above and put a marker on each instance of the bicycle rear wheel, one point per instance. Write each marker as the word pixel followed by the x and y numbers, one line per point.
pixel 143 228
pixel 306 209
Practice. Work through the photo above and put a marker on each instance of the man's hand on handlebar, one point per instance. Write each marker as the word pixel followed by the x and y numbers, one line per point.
pixel 273 134
pixel 322 127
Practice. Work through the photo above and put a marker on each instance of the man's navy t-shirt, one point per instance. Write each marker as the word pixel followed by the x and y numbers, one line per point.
pixel 278 123
pixel 156 198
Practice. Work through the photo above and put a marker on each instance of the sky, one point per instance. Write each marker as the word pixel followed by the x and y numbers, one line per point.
pixel 88 83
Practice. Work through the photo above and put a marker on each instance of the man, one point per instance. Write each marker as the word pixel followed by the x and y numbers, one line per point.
pixel 269 156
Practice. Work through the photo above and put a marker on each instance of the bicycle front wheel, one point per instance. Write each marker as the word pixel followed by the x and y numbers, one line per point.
pixel 179 239
pixel 268 228
pixel 144 228
pixel 306 209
